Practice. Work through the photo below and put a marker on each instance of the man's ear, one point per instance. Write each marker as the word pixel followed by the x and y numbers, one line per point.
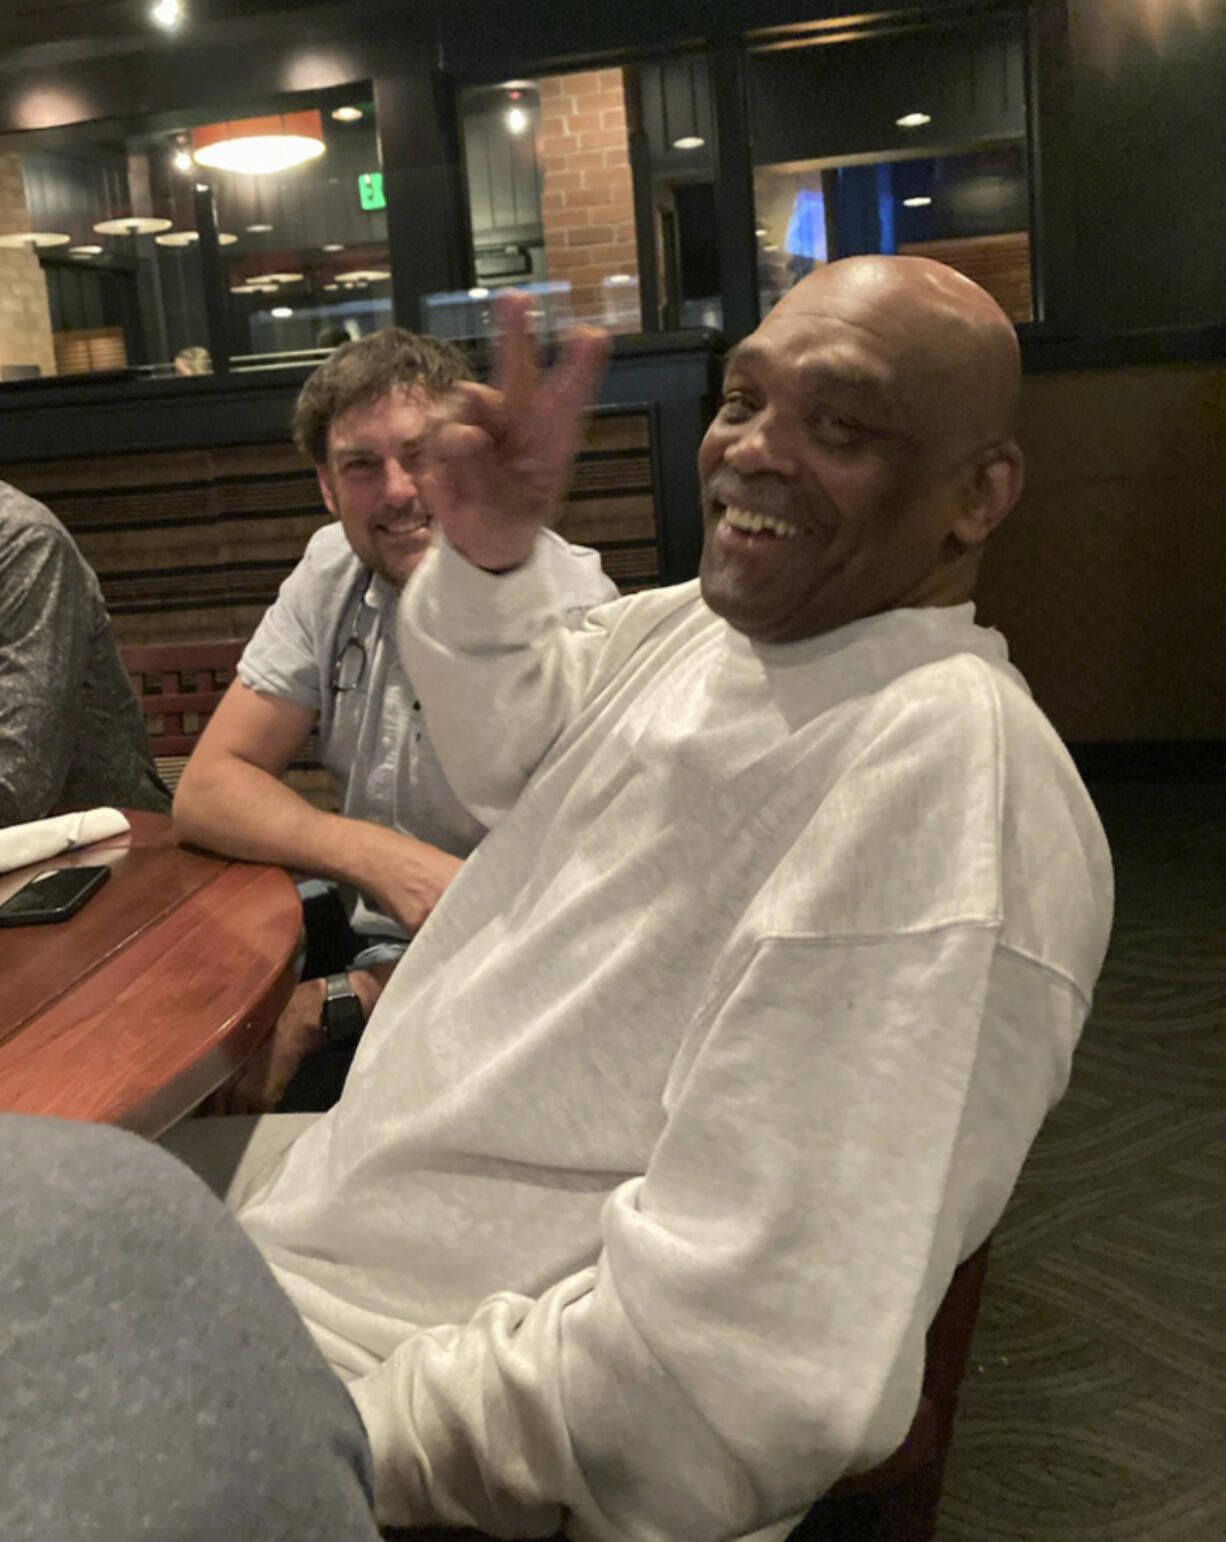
pixel 995 484
pixel 325 488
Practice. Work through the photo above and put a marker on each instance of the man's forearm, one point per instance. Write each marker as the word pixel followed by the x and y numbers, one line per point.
pixel 245 811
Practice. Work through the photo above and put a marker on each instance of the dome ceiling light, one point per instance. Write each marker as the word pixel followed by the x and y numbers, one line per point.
pixel 259 147
pixel 913 120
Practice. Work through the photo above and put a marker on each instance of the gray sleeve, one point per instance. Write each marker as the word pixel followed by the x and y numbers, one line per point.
pixel 283 657
pixel 45 620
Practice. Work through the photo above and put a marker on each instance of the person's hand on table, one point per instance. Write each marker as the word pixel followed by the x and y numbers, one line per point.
pixel 497 462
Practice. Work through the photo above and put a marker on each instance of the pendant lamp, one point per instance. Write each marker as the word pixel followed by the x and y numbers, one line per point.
pixel 258 147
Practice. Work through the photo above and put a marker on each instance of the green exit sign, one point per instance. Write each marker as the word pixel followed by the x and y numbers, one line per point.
pixel 370 190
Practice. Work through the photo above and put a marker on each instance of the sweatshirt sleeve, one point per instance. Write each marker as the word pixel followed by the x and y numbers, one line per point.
pixel 499 674
pixel 844 1122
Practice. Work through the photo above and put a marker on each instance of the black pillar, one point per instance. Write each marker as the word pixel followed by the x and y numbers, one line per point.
pixel 423 181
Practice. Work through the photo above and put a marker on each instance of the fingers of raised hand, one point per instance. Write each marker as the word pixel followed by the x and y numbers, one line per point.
pixel 516 363
pixel 572 384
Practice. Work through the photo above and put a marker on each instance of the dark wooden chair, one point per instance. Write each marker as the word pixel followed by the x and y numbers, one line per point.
pixel 178 685
pixel 898 1500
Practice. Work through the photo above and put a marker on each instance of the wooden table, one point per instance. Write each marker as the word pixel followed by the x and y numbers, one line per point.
pixel 138 1006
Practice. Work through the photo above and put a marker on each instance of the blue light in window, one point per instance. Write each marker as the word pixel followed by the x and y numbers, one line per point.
pixel 806 233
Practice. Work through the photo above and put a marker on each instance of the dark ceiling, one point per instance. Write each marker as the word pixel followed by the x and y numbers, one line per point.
pixel 31 23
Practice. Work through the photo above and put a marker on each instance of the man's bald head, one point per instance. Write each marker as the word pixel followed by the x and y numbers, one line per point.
pixel 864 449
pixel 959 367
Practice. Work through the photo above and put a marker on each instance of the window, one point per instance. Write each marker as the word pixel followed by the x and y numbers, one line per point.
pixel 551 204
pixel 912 143
pixel 139 247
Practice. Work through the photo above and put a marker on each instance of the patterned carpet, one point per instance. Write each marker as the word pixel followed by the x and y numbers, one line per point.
pixel 1094 1408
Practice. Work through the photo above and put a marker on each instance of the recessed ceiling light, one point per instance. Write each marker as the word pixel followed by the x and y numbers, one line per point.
pixel 916 203
pixel 281 312
pixel 689 142
pixel 167 13
pixel 347 114
pixel 517 120
pixel 333 246
pixel 913 120
pixel 258 230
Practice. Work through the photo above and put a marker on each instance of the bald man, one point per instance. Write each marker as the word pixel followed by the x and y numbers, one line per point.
pixel 728 1044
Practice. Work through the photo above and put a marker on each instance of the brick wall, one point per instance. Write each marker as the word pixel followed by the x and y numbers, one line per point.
pixel 25 321
pixel 588 194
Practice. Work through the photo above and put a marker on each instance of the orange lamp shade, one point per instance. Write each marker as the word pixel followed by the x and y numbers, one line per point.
pixel 260 146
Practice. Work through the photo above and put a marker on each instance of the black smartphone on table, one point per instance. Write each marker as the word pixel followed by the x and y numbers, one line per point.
pixel 52 896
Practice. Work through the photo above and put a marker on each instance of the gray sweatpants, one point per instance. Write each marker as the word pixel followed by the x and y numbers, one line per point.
pixel 155 1382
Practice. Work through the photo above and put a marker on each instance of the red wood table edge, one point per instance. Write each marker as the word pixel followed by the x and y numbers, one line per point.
pixel 187 1077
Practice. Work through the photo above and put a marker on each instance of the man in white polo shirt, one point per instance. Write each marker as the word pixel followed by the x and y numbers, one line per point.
pixel 324 659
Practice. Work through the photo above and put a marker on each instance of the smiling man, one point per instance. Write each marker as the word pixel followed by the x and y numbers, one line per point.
pixel 324 659
pixel 666 1137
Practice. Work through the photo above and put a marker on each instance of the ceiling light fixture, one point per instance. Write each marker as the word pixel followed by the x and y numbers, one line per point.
pixel 281 312
pixel 479 293
pixel 85 251
pixel 916 203
pixel 689 142
pixel 258 147
pixel 347 114
pixel 167 14
pixel 333 246
pixel 260 229
pixel 182 160
pixel 913 120
pixel 517 120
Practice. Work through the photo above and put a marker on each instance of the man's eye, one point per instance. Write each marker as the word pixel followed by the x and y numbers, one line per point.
pixel 734 407
pixel 359 467
pixel 831 429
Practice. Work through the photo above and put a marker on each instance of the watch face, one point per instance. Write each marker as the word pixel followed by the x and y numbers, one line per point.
pixel 343 1018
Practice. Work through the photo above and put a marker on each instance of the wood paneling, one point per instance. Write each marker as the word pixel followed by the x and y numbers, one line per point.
pixel 89 348
pixel 1001 264
pixel 1106 578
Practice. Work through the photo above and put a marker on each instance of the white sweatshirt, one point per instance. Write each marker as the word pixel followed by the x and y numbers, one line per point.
pixel 727 1045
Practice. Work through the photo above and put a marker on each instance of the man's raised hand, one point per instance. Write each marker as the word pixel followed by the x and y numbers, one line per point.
pixel 498 459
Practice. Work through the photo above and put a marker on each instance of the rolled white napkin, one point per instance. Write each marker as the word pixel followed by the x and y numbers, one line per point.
pixel 43 838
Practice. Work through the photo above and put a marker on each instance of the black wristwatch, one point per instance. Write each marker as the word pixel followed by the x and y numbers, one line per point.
pixel 343 1019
